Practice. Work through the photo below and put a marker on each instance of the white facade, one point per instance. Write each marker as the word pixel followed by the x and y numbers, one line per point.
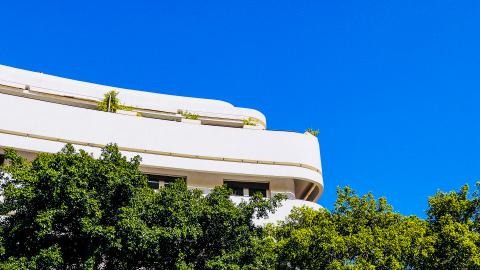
pixel 43 112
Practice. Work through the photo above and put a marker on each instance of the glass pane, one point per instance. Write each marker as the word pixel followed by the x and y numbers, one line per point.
pixel 154 184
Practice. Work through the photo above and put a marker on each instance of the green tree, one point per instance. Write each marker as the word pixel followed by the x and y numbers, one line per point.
pixel 454 220
pixel 72 211
pixel 360 233
pixel 180 228
pixel 64 207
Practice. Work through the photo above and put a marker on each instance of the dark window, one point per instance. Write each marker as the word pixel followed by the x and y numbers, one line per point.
pixel 2 159
pixel 236 187
pixel 154 184
pixel 156 181
pixel 239 188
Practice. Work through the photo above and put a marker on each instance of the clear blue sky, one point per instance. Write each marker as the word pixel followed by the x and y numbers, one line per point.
pixel 393 86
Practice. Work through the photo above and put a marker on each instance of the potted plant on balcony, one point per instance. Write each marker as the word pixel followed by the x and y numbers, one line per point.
pixel 251 123
pixel 111 103
pixel 190 118
pixel 312 132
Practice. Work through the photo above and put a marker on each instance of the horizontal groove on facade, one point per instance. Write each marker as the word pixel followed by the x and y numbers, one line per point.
pixel 161 153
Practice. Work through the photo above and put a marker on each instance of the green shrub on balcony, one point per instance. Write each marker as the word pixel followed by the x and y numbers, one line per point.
pixel 110 102
pixel 313 132
pixel 191 116
pixel 250 121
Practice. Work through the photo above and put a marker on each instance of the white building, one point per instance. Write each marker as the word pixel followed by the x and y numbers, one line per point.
pixel 41 113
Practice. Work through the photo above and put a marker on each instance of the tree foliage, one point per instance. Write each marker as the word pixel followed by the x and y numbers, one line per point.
pixel 454 219
pixel 364 233
pixel 72 211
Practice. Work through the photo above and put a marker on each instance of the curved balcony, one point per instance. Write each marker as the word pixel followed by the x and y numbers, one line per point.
pixel 55 89
pixel 37 126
